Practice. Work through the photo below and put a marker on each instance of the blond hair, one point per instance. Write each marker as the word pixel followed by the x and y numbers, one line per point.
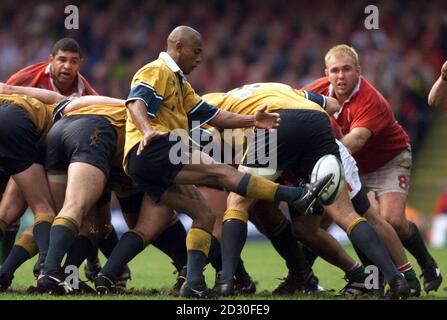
pixel 342 49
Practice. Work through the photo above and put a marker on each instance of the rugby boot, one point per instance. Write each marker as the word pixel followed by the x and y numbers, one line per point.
pixel 311 194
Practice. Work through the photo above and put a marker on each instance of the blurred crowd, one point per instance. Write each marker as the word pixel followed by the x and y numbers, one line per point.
pixel 244 41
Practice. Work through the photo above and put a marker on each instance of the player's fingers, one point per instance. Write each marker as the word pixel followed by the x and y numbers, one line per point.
pixel 262 108
pixel 139 149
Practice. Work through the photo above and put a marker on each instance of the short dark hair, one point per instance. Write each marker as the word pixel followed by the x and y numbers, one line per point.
pixel 67 44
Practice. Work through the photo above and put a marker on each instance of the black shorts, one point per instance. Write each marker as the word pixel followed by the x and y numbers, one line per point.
pixel 303 137
pixel 19 140
pixel 131 204
pixel 152 170
pixel 82 138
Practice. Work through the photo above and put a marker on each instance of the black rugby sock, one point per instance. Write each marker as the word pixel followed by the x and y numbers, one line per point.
pixel 172 242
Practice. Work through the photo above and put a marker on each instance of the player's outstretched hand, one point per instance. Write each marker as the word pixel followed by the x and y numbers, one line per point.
pixel 266 120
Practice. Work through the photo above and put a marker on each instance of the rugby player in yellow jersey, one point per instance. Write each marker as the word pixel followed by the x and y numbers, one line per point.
pixel 305 135
pixel 161 100
pixel 85 144
pixel 87 241
pixel 26 121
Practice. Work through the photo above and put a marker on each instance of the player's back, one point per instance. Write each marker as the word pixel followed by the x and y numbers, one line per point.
pixel 248 98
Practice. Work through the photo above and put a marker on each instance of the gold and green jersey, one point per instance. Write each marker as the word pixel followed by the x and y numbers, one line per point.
pixel 276 96
pixel 41 114
pixel 171 103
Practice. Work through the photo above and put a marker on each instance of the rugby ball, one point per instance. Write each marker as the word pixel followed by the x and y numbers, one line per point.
pixel 324 166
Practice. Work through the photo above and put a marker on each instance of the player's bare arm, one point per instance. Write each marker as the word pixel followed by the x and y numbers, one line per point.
pixel 356 139
pixel 46 96
pixel 86 101
pixel 261 120
pixel 90 100
pixel 138 114
pixel 438 93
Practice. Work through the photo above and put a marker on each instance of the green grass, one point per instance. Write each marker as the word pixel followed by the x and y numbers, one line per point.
pixel 152 270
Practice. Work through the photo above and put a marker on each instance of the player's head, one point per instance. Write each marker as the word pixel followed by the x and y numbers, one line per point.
pixel 185 47
pixel 342 69
pixel 65 60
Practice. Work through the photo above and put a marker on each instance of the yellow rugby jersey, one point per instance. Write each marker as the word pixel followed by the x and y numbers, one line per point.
pixel 277 96
pixel 116 114
pixel 170 101
pixel 40 113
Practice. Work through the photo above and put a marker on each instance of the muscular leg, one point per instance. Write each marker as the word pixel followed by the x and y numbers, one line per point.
pixel 238 182
pixel 24 248
pixel 12 206
pixel 218 201
pixel 389 236
pixel 270 220
pixel 152 220
pixel 234 235
pixel 189 200
pixel 362 235
pixel 392 208
pixel 34 186
pixel 307 230
pixel 84 186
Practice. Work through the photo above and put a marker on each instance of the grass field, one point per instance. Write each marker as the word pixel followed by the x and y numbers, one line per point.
pixel 152 270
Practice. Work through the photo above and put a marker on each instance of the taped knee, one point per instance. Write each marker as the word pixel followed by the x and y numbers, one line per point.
pixel 27 242
pixel 235 214
pixel 353 224
pixel 67 222
pixel 41 217
pixel 198 239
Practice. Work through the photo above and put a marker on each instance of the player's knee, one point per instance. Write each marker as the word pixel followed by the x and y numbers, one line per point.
pixel 77 208
pixel 398 223
pixel 205 217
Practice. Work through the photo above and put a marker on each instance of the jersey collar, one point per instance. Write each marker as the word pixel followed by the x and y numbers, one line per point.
pixel 172 65
pixel 80 89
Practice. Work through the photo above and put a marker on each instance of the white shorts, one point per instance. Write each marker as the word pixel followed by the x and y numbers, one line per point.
pixel 352 178
pixel 393 176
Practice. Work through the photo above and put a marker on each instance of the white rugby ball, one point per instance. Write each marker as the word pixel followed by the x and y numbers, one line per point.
pixel 324 166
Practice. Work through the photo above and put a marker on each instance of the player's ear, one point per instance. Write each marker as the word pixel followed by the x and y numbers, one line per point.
pixel 50 58
pixel 326 72
pixel 178 46
pixel 358 70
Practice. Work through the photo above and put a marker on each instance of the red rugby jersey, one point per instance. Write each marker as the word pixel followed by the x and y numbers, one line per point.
pixel 38 75
pixel 369 109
